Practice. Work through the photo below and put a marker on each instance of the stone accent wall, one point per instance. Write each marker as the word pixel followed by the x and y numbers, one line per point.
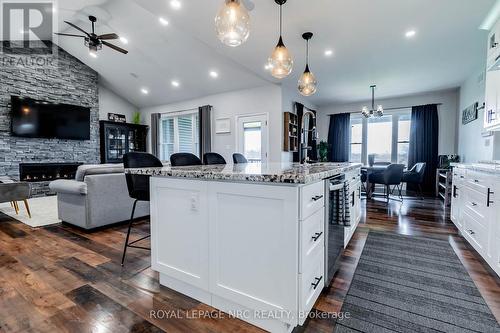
pixel 58 78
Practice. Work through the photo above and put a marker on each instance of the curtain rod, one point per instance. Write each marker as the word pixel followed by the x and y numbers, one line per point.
pixel 389 109
pixel 177 111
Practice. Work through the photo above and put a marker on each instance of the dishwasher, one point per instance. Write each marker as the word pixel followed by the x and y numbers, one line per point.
pixel 336 215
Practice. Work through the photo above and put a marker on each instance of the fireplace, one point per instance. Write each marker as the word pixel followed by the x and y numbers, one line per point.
pixel 44 172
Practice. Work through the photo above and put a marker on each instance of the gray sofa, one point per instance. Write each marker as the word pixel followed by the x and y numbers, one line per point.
pixel 97 197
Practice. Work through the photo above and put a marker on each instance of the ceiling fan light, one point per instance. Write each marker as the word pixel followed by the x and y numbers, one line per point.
pixel 307 83
pixel 281 61
pixel 232 23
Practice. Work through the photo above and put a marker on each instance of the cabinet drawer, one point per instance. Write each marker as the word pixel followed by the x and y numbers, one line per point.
pixel 312 199
pixel 475 204
pixel 311 283
pixel 477 181
pixel 312 238
pixel 475 233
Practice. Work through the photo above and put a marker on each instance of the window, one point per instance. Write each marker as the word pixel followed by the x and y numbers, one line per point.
pixel 387 137
pixel 403 138
pixel 380 138
pixel 179 134
pixel 252 142
pixel 356 140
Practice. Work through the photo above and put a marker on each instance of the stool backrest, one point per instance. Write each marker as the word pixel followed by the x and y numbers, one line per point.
pixel 239 158
pixel 138 185
pixel 184 159
pixel 213 158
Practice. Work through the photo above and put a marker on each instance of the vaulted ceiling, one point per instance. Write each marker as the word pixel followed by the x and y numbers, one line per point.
pixel 367 38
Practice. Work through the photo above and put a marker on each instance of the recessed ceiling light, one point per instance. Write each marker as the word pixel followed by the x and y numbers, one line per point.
pixel 175 4
pixel 124 40
pixel 410 33
pixel 163 21
pixel 214 74
pixel 175 83
pixel 144 91
pixel 328 53
pixel 93 54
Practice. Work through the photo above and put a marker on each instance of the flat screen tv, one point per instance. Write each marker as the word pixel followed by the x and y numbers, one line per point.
pixel 40 119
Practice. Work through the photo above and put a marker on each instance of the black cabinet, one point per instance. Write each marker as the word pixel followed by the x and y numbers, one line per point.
pixel 118 139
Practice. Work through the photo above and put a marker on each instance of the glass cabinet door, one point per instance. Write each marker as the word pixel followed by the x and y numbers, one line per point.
pixel 116 138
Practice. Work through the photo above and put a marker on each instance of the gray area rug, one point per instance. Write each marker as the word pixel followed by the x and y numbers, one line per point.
pixel 413 284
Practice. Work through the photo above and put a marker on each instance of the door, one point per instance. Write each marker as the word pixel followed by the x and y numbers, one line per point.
pixel 116 143
pixel 252 137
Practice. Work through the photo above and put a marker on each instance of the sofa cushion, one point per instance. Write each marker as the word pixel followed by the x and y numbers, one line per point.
pixel 97 169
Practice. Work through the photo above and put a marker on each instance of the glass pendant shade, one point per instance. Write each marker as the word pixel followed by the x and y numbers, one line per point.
pixel 281 62
pixel 365 112
pixel 307 83
pixel 380 111
pixel 232 23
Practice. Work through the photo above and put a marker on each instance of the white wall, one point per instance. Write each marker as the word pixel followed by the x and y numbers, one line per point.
pixel 109 102
pixel 265 99
pixel 472 146
pixel 447 113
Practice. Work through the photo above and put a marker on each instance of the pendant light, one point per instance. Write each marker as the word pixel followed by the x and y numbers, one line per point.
pixel 232 23
pixel 280 62
pixel 307 82
pixel 369 113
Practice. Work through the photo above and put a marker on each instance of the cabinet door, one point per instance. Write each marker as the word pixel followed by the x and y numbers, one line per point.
pixel 492 97
pixel 179 230
pixel 456 203
pixel 254 245
pixel 116 143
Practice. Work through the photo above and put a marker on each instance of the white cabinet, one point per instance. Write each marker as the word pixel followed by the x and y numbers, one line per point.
pixel 475 210
pixel 492 100
pixel 354 178
pixel 254 236
pixel 179 230
pixel 243 247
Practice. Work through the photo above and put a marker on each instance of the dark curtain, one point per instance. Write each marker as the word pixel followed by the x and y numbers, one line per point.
pixel 205 129
pixel 424 135
pixel 155 134
pixel 339 137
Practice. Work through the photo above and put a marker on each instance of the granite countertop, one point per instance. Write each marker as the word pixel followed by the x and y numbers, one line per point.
pixel 484 166
pixel 287 173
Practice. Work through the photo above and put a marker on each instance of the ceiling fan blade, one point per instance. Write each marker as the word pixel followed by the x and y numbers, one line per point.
pixel 70 35
pixel 249 4
pixel 114 47
pixel 77 28
pixel 108 36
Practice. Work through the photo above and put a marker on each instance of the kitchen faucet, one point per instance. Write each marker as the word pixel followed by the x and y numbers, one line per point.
pixel 304 136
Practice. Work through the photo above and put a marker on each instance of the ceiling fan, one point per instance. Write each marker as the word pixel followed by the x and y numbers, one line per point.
pixel 93 41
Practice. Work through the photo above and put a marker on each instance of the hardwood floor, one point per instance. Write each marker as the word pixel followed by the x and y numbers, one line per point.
pixel 62 279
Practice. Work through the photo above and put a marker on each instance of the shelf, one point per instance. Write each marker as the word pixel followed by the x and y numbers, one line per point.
pixel 442 185
pixel 442 195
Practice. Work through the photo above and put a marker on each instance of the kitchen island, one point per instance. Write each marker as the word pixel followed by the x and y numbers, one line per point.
pixel 246 239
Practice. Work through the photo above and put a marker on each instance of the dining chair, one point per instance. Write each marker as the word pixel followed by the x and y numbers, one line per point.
pixel 390 176
pixel 416 176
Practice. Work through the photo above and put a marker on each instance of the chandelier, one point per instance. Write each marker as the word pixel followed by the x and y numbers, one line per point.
pixel 369 113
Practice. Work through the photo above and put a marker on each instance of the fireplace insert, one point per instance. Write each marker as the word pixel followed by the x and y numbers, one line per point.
pixel 41 172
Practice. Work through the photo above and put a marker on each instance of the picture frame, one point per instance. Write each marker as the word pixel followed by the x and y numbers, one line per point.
pixel 222 126
pixel 470 114
pixel 117 118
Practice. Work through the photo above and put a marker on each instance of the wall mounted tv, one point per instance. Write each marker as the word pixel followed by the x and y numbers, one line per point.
pixel 40 119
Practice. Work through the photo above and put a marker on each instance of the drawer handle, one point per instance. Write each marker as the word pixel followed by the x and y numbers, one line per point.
pixel 317 236
pixel 476 181
pixel 316 282
pixel 488 201
pixel 455 191
pixel 316 198
pixel 462 177
pixel 471 232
